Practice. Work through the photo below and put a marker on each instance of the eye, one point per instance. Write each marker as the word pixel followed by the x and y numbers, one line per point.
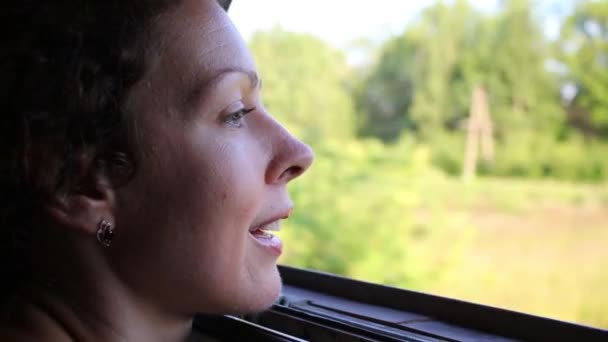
pixel 235 119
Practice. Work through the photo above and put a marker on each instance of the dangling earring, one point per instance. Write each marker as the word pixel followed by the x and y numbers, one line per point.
pixel 105 233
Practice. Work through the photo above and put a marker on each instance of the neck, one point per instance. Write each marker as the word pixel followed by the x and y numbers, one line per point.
pixel 74 301
pixel 48 317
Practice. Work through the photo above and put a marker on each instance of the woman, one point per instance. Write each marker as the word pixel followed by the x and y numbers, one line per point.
pixel 143 172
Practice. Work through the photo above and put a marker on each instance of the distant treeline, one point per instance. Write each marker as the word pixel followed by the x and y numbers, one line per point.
pixel 547 99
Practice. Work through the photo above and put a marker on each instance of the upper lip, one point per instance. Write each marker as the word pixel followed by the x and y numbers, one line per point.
pixel 283 215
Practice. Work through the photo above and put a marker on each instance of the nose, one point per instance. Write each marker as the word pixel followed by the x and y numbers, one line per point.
pixel 290 159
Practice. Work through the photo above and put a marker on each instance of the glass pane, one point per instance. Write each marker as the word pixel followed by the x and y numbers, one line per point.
pixel 462 146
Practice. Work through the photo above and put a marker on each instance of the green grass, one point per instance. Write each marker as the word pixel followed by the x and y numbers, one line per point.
pixel 539 247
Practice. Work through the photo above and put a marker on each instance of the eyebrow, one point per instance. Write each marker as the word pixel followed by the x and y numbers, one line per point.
pixel 200 87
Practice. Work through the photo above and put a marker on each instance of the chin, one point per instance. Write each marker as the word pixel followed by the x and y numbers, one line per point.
pixel 262 294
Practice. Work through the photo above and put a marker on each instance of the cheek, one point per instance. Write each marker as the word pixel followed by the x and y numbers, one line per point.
pixel 233 188
pixel 196 203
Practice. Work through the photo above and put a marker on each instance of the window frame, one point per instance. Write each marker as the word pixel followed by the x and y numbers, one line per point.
pixel 315 305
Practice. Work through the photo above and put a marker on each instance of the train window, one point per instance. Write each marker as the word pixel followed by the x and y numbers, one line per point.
pixel 460 145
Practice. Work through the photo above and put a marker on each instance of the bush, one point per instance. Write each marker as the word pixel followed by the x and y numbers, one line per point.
pixel 359 214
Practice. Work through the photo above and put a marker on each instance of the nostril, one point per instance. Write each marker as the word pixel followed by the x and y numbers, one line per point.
pixel 292 172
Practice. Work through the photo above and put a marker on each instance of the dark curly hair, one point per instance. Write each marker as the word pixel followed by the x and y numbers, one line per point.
pixel 66 67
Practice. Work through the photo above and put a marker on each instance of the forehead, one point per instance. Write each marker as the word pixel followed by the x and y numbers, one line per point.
pixel 201 27
pixel 199 41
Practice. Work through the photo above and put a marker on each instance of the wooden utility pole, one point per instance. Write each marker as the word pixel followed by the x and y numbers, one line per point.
pixel 479 132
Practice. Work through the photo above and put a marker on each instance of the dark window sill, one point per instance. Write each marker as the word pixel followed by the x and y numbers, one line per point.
pixel 322 307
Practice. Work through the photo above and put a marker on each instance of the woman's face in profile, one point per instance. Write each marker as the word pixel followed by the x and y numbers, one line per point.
pixel 213 166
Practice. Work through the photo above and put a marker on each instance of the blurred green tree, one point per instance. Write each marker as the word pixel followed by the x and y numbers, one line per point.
pixel 359 191
pixel 303 84
pixel 583 48
pixel 524 93
pixel 410 87
pixel 422 81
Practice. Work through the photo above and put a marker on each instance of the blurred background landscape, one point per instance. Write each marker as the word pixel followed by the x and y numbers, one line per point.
pixel 464 153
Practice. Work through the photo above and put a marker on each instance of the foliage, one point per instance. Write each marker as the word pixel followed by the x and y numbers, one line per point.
pixel 381 203
pixel 535 156
pixel 362 216
pixel 422 82
pixel 391 79
pixel 584 50
pixel 360 191
pixel 303 84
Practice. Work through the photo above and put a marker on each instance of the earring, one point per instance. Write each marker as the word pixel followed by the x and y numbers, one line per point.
pixel 105 233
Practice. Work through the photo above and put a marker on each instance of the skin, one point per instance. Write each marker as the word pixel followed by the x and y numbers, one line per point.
pixel 205 176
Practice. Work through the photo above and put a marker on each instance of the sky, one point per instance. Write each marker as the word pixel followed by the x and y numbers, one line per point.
pixel 340 22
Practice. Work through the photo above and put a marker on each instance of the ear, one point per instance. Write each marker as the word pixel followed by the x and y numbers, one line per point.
pixel 83 202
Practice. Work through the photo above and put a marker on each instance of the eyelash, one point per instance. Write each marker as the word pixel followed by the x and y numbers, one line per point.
pixel 236 119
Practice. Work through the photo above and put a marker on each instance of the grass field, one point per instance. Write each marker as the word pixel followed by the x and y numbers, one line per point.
pixel 539 247
pixel 534 246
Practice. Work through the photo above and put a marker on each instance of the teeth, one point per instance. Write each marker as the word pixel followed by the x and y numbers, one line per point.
pixel 270 227
pixel 273 226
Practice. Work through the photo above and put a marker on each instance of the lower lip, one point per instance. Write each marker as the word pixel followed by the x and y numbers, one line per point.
pixel 272 243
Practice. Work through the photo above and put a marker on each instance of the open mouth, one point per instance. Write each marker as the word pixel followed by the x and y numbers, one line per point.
pixel 265 232
pixel 265 237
